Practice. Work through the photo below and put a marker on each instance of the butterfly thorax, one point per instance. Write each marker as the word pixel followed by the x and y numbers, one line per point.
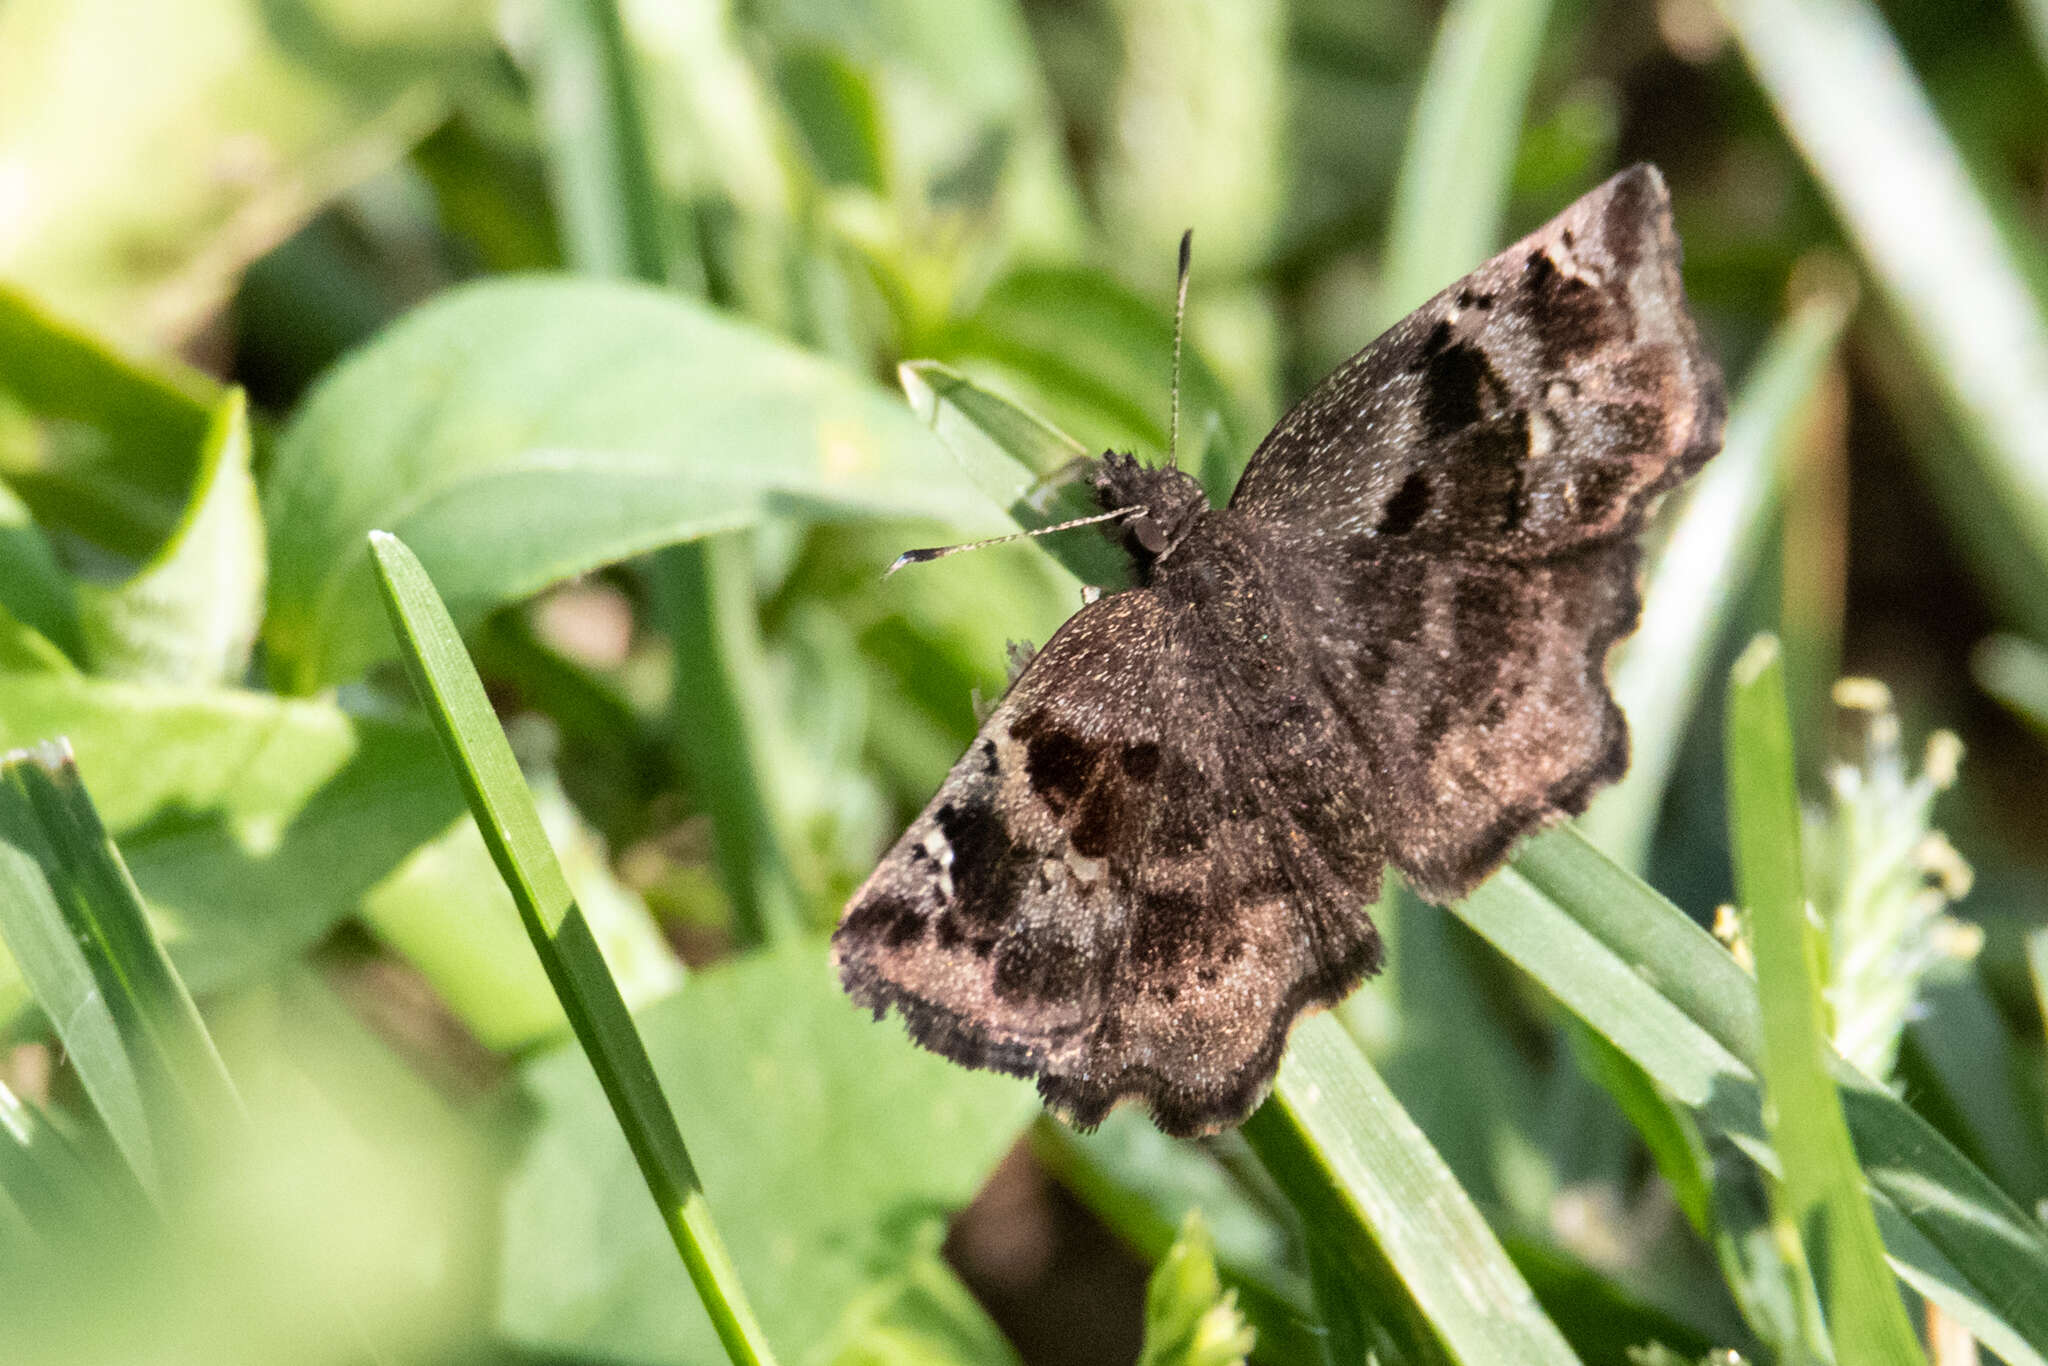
pixel 1170 501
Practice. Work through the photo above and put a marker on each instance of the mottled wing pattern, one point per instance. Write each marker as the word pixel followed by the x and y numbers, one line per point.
pixel 1391 647
pixel 1477 693
pixel 1463 499
pixel 1540 403
pixel 1111 891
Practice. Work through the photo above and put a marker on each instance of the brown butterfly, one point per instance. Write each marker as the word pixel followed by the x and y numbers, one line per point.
pixel 1389 648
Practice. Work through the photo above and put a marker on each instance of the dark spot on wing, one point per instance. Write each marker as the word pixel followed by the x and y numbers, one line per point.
pixel 1453 379
pixel 1058 763
pixel 1097 825
pixel 1407 507
pixel 987 865
pixel 1040 970
pixel 1599 485
pixel 1141 761
pixel 890 918
pixel 1622 223
pixel 1164 928
pixel 1568 315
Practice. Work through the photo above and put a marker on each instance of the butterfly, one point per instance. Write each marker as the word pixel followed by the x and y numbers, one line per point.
pixel 1389 648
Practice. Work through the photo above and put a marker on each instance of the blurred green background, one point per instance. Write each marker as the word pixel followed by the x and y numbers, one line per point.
pixel 602 307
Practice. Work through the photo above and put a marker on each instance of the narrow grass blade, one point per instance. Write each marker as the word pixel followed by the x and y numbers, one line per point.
pixel 616 223
pixel 1657 986
pixel 1023 463
pixel 1360 1172
pixel 1849 99
pixel 75 924
pixel 1701 569
pixel 723 727
pixel 2037 968
pixel 1819 1197
pixel 454 697
pixel 1467 123
pixel 610 205
pixel 47 1178
pixel 2015 671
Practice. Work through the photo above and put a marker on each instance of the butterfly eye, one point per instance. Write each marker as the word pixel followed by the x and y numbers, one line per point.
pixel 1148 533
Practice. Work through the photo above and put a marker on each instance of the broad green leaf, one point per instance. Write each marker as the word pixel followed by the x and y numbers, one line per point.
pixel 827 1141
pixel 75 924
pixel 1849 99
pixel 190 615
pixel 919 1316
pixel 199 135
pixel 1819 1199
pixel 1635 968
pixel 252 824
pixel 476 748
pixel 523 431
pixel 93 442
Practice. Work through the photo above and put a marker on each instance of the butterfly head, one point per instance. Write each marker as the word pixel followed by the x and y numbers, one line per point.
pixel 1169 500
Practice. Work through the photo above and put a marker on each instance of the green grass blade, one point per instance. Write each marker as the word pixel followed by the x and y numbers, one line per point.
pixel 1018 459
pixel 610 205
pixel 75 924
pixel 2037 969
pixel 1695 580
pixel 1467 123
pixel 1848 98
pixel 722 728
pixel 48 1179
pixel 615 223
pixel 1657 986
pixel 2015 671
pixel 1361 1172
pixel 1819 1197
pixel 454 697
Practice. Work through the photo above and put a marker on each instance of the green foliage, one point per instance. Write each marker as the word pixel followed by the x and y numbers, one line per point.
pixel 598 307
pixel 1190 1319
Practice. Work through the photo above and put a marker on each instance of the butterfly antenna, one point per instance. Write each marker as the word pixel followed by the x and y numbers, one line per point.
pixel 939 552
pixel 1180 308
